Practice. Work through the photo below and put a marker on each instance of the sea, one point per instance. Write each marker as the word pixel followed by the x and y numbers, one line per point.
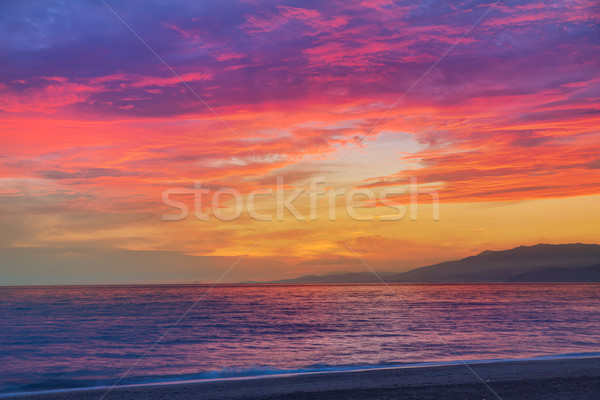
pixel 65 337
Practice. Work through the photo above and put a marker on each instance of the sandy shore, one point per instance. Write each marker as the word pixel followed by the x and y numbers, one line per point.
pixel 548 379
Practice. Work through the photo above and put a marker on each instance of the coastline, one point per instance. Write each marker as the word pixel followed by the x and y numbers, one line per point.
pixel 558 378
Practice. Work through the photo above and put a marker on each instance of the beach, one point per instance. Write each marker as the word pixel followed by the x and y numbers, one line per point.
pixel 562 378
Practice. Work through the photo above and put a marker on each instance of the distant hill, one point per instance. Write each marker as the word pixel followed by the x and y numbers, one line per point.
pixel 540 263
pixel 500 266
pixel 577 274
pixel 349 277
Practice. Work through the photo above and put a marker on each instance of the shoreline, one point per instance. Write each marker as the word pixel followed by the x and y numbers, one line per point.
pixel 572 378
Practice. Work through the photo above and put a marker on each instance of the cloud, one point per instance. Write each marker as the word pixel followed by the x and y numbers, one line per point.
pixel 90 173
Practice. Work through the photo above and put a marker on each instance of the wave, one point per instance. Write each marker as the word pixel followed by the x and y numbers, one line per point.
pixel 257 372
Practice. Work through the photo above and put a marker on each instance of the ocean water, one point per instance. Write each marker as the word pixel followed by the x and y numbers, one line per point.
pixel 86 336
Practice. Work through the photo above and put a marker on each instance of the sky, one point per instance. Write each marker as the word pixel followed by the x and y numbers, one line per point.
pixel 477 120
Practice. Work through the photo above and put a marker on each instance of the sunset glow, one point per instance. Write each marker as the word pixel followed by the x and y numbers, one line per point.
pixel 94 128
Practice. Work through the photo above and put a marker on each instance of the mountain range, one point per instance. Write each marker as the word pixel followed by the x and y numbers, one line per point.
pixel 540 263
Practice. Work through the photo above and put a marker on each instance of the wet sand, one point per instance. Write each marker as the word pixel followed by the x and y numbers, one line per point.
pixel 562 379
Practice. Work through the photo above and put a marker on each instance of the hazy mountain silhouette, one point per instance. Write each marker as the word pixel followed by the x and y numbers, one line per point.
pixel 540 263
pixel 577 274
